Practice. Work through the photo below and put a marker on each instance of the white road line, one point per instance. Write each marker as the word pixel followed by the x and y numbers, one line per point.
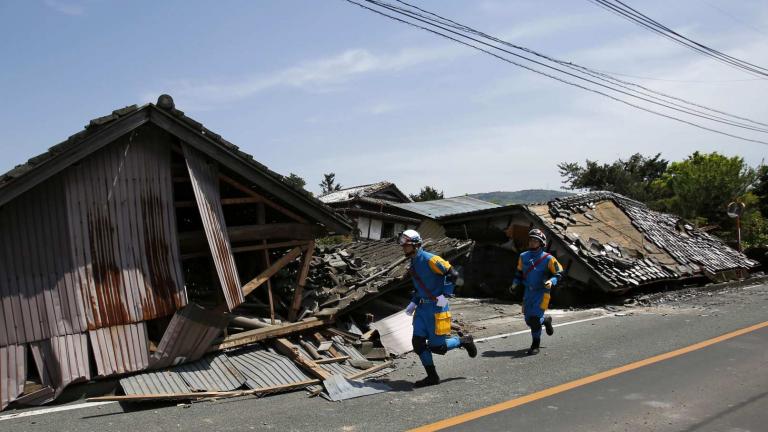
pixel 52 410
pixel 528 331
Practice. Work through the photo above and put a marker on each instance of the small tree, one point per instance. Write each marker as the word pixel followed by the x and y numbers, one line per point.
pixel 295 181
pixel 761 189
pixel 428 193
pixel 329 183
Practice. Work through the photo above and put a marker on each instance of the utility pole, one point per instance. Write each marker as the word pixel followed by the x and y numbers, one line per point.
pixel 735 210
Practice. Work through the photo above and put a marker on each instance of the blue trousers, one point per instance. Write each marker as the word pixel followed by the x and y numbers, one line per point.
pixel 425 341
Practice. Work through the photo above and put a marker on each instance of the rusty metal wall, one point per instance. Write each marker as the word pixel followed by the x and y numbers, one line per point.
pixel 120 349
pixel 205 183
pixel 61 361
pixel 123 231
pixel 40 293
pixel 13 373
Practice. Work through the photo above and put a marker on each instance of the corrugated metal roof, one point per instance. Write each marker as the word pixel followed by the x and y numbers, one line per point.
pixel 161 382
pixel 446 207
pixel 205 182
pixel 211 373
pixel 61 360
pixel 120 349
pixel 188 336
pixel 13 373
pixel 265 368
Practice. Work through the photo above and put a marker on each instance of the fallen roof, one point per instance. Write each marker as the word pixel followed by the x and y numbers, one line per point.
pixel 629 244
pixel 103 130
pixel 366 191
pixel 441 208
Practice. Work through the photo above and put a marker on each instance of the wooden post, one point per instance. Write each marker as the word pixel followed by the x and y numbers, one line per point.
pixel 298 293
pixel 262 219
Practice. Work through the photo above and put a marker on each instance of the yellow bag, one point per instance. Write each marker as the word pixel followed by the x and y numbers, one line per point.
pixel 443 323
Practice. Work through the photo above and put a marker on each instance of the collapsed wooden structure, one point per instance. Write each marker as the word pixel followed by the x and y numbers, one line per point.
pixel 110 233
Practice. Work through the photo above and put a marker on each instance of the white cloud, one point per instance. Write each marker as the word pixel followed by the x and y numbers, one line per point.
pixel 67 8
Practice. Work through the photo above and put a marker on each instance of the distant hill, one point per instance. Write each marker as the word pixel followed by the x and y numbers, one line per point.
pixel 527 196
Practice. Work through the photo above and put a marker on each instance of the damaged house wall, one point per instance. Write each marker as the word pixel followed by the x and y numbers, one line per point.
pixel 100 236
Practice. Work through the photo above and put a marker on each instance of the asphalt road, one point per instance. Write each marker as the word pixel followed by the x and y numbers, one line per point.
pixel 710 389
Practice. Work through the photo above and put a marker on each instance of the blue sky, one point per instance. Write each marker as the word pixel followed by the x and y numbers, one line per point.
pixel 317 86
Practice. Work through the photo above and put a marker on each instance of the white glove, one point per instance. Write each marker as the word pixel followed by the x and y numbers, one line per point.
pixel 410 309
pixel 442 301
pixel 512 288
pixel 548 284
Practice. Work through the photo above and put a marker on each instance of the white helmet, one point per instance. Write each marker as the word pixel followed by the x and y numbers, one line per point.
pixel 409 237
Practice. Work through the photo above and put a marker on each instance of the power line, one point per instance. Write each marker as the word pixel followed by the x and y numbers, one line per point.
pixel 633 15
pixel 602 76
pixel 437 27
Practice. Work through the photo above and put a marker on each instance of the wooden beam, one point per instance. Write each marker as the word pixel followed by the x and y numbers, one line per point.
pixel 194 240
pixel 319 338
pixel 224 201
pixel 245 189
pixel 268 273
pixel 200 395
pixel 250 248
pixel 298 293
pixel 251 336
pixel 287 348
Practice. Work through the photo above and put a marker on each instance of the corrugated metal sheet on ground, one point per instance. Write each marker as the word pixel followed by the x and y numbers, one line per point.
pixel 13 373
pixel 61 361
pixel 161 382
pixel 265 368
pixel 211 373
pixel 339 388
pixel 40 294
pixel 188 336
pixel 205 183
pixel 120 349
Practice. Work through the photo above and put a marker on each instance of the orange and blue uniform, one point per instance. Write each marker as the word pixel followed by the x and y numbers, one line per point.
pixel 534 268
pixel 429 273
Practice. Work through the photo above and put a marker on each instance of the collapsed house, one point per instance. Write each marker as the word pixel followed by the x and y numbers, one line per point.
pixel 147 241
pixel 373 209
pixel 606 242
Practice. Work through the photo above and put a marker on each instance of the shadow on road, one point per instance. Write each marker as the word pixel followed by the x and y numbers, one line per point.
pixel 511 353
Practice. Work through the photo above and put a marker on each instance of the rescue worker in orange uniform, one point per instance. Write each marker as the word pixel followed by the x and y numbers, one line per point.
pixel 538 271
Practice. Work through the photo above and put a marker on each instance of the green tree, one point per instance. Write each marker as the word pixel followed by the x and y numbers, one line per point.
pixel 761 189
pixel 634 177
pixel 329 183
pixel 703 184
pixel 295 181
pixel 428 193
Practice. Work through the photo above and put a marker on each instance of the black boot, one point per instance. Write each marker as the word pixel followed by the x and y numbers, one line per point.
pixel 431 379
pixel 468 343
pixel 534 349
pixel 548 325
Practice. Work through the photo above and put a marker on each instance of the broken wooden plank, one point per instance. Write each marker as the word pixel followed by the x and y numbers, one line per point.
pixel 268 273
pixel 284 346
pixel 332 360
pixel 251 336
pixel 370 370
pixel 298 293
pixel 200 395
